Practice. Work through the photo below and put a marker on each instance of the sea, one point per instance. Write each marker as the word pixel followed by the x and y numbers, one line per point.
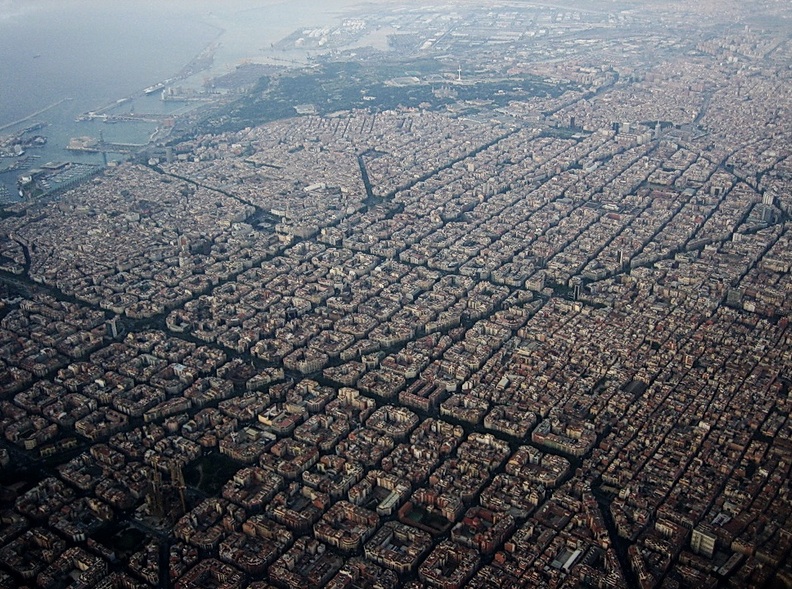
pixel 62 58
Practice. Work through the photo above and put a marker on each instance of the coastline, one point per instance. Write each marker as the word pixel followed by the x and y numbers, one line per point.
pixel 242 33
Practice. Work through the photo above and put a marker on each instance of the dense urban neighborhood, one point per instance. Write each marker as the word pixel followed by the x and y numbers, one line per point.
pixel 516 314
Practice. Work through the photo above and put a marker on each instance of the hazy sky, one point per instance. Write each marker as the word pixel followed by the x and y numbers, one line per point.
pixel 15 8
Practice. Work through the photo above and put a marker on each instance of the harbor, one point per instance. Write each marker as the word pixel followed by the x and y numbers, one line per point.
pixel 131 94
pixel 132 123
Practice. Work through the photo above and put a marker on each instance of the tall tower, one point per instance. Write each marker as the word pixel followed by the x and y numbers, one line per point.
pixel 155 501
pixel 102 147
pixel 177 479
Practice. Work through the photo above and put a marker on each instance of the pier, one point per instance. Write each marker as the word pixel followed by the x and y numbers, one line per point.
pixel 126 118
pixel 33 115
pixel 91 145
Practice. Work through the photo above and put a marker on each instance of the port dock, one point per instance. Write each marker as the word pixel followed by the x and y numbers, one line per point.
pixel 93 145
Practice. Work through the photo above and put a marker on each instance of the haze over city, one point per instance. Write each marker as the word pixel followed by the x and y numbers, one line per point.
pixel 395 294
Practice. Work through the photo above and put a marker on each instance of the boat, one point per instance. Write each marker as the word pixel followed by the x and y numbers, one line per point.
pixel 152 89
